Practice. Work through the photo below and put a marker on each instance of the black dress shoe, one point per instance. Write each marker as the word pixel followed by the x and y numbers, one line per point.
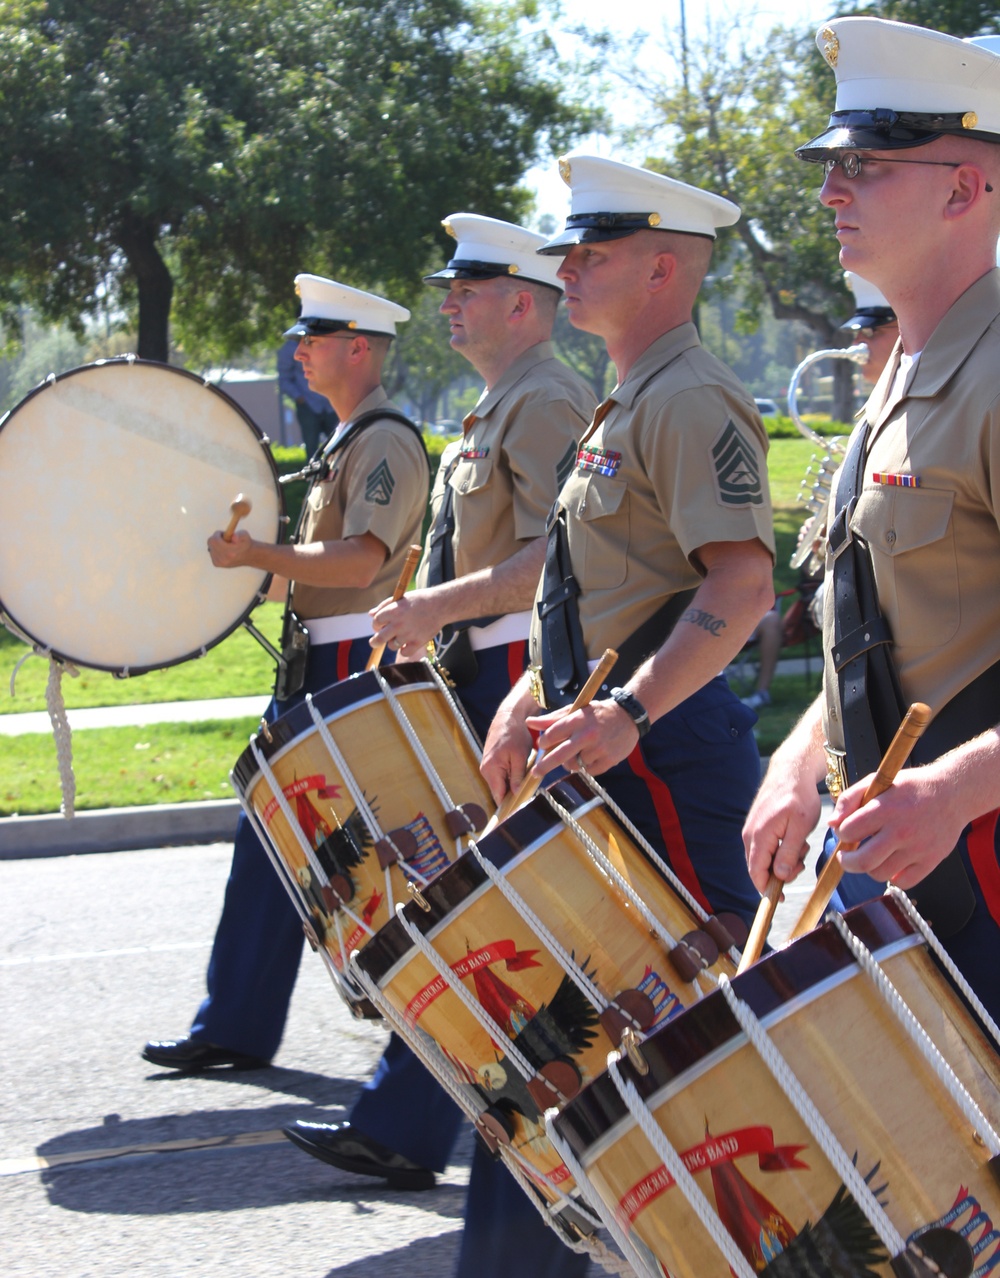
pixel 191 1056
pixel 340 1145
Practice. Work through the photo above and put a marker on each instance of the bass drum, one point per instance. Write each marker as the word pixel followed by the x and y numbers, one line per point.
pixel 112 478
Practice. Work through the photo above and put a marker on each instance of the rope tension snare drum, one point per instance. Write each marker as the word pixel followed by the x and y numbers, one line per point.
pixel 520 967
pixel 369 786
pixel 112 478
pixel 830 1112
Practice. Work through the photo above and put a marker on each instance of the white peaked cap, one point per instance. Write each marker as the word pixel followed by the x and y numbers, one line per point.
pixel 900 86
pixel 610 200
pixel 488 247
pixel 329 307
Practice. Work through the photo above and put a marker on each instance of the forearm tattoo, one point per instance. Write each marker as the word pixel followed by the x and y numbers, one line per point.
pixel 704 620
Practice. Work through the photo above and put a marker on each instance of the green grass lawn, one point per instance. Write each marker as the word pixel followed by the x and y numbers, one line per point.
pixel 171 763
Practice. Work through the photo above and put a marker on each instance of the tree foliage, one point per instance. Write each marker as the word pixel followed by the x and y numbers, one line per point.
pixel 186 160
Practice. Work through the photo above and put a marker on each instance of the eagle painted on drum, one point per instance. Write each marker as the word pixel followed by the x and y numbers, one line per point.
pixel 558 1031
pixel 842 1243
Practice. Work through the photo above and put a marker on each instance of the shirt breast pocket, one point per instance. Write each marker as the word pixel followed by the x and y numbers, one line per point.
pixel 600 505
pixel 472 475
pixel 912 541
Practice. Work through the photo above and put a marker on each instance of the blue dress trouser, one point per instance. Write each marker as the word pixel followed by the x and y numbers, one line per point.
pixel 258 943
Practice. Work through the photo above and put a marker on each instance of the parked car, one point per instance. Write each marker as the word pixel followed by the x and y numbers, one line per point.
pixel 446 426
pixel 767 407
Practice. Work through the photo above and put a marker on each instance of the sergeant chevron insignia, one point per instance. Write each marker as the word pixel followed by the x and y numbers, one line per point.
pixel 737 471
pixel 379 484
pixel 565 464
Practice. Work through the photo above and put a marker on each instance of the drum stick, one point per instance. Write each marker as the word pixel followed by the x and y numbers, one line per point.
pixel 526 790
pixel 239 508
pixel 909 733
pixel 761 923
pixel 409 564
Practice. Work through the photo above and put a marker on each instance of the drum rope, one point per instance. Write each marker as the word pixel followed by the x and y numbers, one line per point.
pixel 62 732
pixel 472 1104
pixel 610 870
pixel 946 961
pixel 664 870
pixel 573 970
pixel 674 1164
pixel 364 807
pixel 281 868
pixel 286 811
pixel 835 1153
pixel 495 1031
pixel 611 1222
pixel 299 834
pixel 464 726
pixel 418 748
pixel 922 1040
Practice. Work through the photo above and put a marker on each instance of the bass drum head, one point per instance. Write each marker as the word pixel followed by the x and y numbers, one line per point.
pixel 112 478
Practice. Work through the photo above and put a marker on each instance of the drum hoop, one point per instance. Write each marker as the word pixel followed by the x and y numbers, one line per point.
pixel 24 633
pixel 332 702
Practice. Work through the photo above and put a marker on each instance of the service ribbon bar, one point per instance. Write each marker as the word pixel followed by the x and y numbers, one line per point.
pixel 603 461
pixel 894 480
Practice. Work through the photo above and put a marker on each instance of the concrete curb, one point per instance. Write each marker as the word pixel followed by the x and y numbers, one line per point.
pixel 118 829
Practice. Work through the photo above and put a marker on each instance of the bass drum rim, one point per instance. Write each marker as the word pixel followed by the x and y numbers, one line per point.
pixel 9 618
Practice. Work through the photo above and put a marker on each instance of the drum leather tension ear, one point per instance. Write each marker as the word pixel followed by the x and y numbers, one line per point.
pixel 692 954
pixel 728 931
pixel 935 1253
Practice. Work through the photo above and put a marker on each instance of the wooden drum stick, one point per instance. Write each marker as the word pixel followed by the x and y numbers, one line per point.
pixel 409 565
pixel 239 509
pixel 907 735
pixel 526 790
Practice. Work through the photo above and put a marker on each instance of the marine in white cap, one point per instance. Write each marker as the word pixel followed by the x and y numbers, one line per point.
pixel 912 176
pixel 364 508
pixel 475 585
pixel 660 547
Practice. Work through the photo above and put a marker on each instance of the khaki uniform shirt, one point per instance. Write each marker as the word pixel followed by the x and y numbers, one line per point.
pixel 519 444
pixel 935 547
pixel 676 459
pixel 377 484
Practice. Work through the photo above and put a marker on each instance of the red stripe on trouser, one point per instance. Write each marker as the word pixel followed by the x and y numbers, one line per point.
pixel 982 854
pixel 515 660
pixel 344 659
pixel 670 827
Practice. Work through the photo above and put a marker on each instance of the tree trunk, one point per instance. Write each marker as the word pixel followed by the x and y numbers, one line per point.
pixel 137 240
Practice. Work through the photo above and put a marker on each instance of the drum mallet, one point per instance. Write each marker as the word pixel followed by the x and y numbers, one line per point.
pixel 907 735
pixel 409 565
pixel 239 509
pixel 526 790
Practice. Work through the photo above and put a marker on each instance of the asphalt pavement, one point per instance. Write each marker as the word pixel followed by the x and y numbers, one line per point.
pixel 111 1167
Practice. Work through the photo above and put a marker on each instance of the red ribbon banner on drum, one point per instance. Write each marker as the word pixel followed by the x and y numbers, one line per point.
pixel 498 952
pixel 302 786
pixel 744 1142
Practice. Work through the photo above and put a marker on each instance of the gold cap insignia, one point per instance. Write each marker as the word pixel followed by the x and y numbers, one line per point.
pixel 831 45
pixel 513 269
pixel 352 323
pixel 565 170
pixel 970 120
pixel 654 219
pixel 449 228
pixel 298 291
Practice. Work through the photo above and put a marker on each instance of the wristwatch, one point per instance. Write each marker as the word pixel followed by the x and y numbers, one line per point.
pixel 634 708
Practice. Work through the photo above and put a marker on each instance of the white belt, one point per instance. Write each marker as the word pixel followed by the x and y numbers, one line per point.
pixel 509 629
pixel 350 625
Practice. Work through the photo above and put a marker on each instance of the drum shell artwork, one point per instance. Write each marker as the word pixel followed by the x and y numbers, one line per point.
pixel 485 938
pixel 391 777
pixel 760 1167
pixel 112 478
